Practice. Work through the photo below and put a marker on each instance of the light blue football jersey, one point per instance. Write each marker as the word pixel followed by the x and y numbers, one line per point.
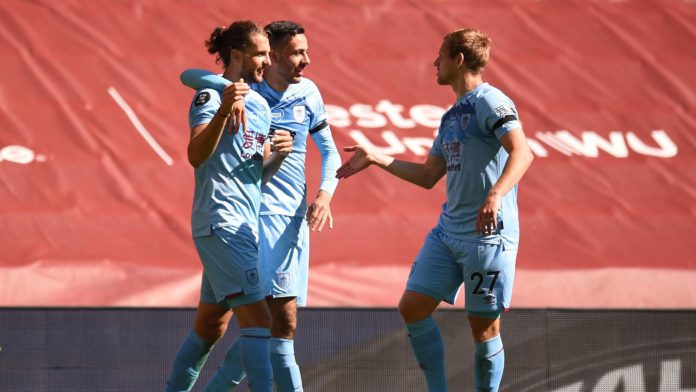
pixel 300 110
pixel 468 139
pixel 228 185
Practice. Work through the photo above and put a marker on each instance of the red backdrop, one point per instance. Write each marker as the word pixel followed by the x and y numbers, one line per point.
pixel 94 213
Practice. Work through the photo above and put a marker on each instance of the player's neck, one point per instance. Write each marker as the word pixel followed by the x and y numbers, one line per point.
pixel 466 82
pixel 276 82
pixel 232 73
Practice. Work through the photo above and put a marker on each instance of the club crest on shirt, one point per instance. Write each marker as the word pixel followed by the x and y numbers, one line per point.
pixel 504 110
pixel 451 124
pixel 464 121
pixel 283 280
pixel 252 276
pixel 202 98
pixel 299 113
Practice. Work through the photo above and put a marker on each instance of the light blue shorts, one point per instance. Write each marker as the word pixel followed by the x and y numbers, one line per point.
pixel 230 267
pixel 444 263
pixel 284 254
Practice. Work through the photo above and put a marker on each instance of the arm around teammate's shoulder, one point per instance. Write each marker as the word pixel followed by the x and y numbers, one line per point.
pixel 425 174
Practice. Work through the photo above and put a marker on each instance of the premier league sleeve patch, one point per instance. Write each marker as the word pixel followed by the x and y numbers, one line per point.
pixel 202 98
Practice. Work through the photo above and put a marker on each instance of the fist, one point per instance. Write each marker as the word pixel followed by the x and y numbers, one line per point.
pixel 281 142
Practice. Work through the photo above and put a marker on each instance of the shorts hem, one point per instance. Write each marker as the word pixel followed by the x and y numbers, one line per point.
pixel 245 299
pixel 428 292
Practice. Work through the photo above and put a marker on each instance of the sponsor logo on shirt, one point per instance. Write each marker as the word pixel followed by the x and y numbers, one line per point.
pixel 454 167
pixel 452 150
pixel 504 110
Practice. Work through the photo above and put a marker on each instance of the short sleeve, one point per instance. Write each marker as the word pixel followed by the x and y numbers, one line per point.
pixel 203 107
pixel 436 149
pixel 497 114
pixel 315 107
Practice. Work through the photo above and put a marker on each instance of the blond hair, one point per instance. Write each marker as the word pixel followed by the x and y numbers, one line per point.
pixel 473 44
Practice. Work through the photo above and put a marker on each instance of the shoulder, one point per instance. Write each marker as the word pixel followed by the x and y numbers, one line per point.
pixel 308 88
pixel 492 97
pixel 205 96
pixel 257 105
pixel 256 101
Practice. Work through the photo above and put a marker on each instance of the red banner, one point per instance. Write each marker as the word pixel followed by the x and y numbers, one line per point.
pixel 96 191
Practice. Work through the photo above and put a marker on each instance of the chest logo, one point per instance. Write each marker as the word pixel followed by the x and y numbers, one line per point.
pixel 299 113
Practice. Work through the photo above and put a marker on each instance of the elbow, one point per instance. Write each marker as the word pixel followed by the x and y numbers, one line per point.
pixel 195 164
pixel 530 158
pixel 429 183
pixel 193 160
pixel 430 178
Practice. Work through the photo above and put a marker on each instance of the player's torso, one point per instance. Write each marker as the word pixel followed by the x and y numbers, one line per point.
pixel 228 183
pixel 474 162
pixel 472 154
pixel 291 110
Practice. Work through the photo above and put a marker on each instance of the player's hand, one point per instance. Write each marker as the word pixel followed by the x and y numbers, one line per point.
pixel 359 161
pixel 233 104
pixel 319 212
pixel 487 220
pixel 281 142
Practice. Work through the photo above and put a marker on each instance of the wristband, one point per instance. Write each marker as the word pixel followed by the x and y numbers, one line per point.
pixel 221 115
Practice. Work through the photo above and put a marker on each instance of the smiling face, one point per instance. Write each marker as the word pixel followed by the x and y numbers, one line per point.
pixel 290 59
pixel 256 58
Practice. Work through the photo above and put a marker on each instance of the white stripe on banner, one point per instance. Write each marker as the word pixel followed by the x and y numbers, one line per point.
pixel 140 127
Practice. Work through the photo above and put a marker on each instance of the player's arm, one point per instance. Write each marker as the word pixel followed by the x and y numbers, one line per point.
pixel 205 137
pixel 275 153
pixel 319 212
pixel 519 160
pixel 201 78
pixel 425 174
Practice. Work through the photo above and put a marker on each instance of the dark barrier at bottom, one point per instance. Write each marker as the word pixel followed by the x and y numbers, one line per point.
pixel 58 349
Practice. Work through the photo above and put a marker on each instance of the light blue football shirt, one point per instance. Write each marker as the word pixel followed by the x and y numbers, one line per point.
pixel 228 185
pixel 468 139
pixel 300 110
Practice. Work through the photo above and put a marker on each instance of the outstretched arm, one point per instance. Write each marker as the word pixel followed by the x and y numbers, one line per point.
pixel 425 174
pixel 521 157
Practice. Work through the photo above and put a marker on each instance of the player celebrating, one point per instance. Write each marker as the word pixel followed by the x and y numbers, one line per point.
pixel 227 197
pixel 297 106
pixel 483 150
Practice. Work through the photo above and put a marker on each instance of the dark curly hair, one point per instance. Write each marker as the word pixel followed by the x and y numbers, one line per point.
pixel 235 36
pixel 280 31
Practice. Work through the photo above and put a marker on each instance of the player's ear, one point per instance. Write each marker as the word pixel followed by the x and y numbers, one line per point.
pixel 236 56
pixel 460 59
pixel 274 56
